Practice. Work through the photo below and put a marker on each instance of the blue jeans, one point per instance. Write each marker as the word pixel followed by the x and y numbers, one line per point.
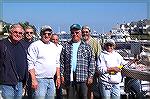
pixel 134 86
pixel 110 91
pixel 46 89
pixel 12 92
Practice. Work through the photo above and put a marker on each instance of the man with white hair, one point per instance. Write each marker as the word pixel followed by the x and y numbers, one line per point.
pixel 13 64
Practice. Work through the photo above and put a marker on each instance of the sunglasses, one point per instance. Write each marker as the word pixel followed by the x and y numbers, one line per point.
pixel 18 32
pixel 108 44
pixel 75 33
pixel 85 31
pixel 29 32
pixel 47 34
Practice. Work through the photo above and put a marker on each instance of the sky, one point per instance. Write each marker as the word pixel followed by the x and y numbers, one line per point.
pixel 100 16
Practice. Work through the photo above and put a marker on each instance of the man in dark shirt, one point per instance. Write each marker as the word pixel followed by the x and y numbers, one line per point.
pixel 30 31
pixel 13 67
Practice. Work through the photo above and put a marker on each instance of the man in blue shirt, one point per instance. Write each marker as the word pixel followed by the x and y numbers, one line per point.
pixel 77 65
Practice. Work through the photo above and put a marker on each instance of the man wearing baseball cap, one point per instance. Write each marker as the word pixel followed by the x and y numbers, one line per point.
pixel 96 49
pixel 77 64
pixel 43 63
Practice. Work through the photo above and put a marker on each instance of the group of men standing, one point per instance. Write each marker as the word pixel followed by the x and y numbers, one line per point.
pixel 34 64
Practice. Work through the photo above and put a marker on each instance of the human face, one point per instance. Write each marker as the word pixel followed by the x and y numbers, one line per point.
pixel 16 34
pixel 76 35
pixel 55 39
pixel 85 34
pixel 109 47
pixel 29 34
pixel 46 36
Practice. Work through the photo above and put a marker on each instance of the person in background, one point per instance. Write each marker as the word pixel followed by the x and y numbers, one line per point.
pixel 96 49
pixel 43 62
pixel 108 63
pixel 29 35
pixel 77 65
pixel 55 40
pixel 30 31
pixel 13 64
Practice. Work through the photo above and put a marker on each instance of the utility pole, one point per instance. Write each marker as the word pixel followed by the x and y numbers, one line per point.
pixel 148 9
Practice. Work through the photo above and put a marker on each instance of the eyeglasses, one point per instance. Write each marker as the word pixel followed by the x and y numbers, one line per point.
pixel 47 34
pixel 29 32
pixel 18 32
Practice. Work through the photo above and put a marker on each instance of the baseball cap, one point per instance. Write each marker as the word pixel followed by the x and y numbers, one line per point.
pixel 75 26
pixel 86 27
pixel 111 41
pixel 46 28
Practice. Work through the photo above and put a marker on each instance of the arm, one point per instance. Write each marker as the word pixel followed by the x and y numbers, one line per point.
pixel 62 64
pixel 58 77
pixel 33 79
pixel 91 67
pixel 101 64
pixel 58 71
pixel 31 58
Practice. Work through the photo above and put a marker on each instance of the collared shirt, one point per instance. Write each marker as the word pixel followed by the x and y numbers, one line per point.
pixel 85 62
pixel 43 58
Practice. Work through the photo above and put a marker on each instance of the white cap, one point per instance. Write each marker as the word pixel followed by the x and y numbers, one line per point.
pixel 111 41
pixel 46 27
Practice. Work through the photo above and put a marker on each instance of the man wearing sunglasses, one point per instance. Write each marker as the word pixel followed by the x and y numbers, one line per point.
pixel 28 35
pixel 27 40
pixel 43 62
pixel 77 65
pixel 13 64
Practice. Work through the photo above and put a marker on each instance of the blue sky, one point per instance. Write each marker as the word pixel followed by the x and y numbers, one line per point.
pixel 99 16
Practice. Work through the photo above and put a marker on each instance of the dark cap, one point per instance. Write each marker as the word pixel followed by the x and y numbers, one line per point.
pixel 75 26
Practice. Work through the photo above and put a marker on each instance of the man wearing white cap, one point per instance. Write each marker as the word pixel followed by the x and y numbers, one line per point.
pixel 96 49
pixel 43 62
pixel 108 63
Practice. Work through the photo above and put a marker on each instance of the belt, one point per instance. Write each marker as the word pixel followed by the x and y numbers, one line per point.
pixel 48 78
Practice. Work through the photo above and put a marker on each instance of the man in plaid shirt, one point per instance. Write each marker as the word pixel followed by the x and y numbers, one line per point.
pixel 77 65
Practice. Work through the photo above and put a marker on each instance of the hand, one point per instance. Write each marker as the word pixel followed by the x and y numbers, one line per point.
pixel 34 84
pixel 117 69
pixel 62 79
pixel 90 80
pixel 113 69
pixel 58 82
